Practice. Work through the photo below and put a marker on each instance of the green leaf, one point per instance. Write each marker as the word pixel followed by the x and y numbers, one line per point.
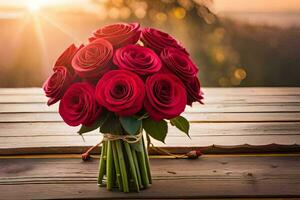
pixel 98 123
pixel 130 124
pixel 181 123
pixel 156 129
pixel 112 125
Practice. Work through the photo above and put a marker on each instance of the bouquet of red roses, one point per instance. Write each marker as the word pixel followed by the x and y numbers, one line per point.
pixel 125 80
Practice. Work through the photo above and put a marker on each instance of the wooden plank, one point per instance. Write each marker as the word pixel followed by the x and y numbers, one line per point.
pixel 29 117
pixel 199 117
pixel 209 99
pixel 20 138
pixel 207 177
pixel 174 143
pixel 212 95
pixel 243 115
pixel 255 91
pixel 191 116
pixel 207 91
pixel 25 91
pixel 233 107
pixel 211 149
pixel 43 129
pixel 22 98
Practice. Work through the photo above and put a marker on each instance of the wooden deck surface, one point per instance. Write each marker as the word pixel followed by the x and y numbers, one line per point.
pixel 208 177
pixel 233 120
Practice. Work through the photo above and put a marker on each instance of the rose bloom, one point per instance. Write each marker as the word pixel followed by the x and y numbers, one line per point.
pixel 179 63
pixel 194 93
pixel 165 96
pixel 56 85
pixel 65 59
pixel 79 105
pixel 158 40
pixel 93 60
pixel 121 91
pixel 119 34
pixel 141 60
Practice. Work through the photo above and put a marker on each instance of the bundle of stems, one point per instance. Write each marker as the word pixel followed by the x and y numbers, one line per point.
pixel 124 166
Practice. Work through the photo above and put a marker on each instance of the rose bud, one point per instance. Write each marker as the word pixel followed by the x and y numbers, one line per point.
pixel 194 154
pixel 79 105
pixel 138 59
pixel 93 60
pixel 165 96
pixel 121 91
pixel 86 157
pixel 119 34
pixel 56 85
pixel 158 40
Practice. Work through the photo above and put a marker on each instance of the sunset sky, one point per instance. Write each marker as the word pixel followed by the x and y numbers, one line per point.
pixel 36 31
pixel 257 6
pixel 219 5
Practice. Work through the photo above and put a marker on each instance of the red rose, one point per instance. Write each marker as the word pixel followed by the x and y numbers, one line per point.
pixel 158 40
pixel 179 63
pixel 119 34
pixel 121 92
pixel 141 60
pixel 165 96
pixel 65 59
pixel 79 105
pixel 56 85
pixel 194 93
pixel 94 59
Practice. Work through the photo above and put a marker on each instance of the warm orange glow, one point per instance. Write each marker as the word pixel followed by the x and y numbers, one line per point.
pixel 36 31
pixel 33 6
pixel 240 74
pixel 256 6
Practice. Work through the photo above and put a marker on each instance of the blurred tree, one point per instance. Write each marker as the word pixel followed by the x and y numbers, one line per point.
pixel 192 22
pixel 228 52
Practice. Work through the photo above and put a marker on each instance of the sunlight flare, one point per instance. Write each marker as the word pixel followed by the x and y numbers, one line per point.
pixel 33 6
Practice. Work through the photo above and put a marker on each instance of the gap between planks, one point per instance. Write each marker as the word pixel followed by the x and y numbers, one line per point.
pixel 62 156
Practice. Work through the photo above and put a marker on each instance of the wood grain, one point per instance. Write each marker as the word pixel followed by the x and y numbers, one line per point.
pixel 194 117
pixel 231 117
pixel 43 137
pixel 207 91
pixel 35 129
pixel 233 120
pixel 230 107
pixel 207 177
pixel 213 99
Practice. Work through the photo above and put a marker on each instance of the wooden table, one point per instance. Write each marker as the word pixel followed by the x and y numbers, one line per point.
pixel 251 138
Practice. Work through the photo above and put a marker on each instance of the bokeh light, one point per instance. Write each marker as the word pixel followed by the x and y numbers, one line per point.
pixel 179 12
pixel 240 74
pixel 229 52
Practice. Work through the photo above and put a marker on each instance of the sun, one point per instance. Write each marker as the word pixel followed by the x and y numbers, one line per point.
pixel 33 6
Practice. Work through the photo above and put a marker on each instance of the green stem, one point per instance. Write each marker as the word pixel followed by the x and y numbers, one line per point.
pixel 143 167
pixel 132 166
pixel 109 166
pixel 114 173
pixel 122 166
pixel 117 166
pixel 137 167
pixel 147 161
pixel 102 164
